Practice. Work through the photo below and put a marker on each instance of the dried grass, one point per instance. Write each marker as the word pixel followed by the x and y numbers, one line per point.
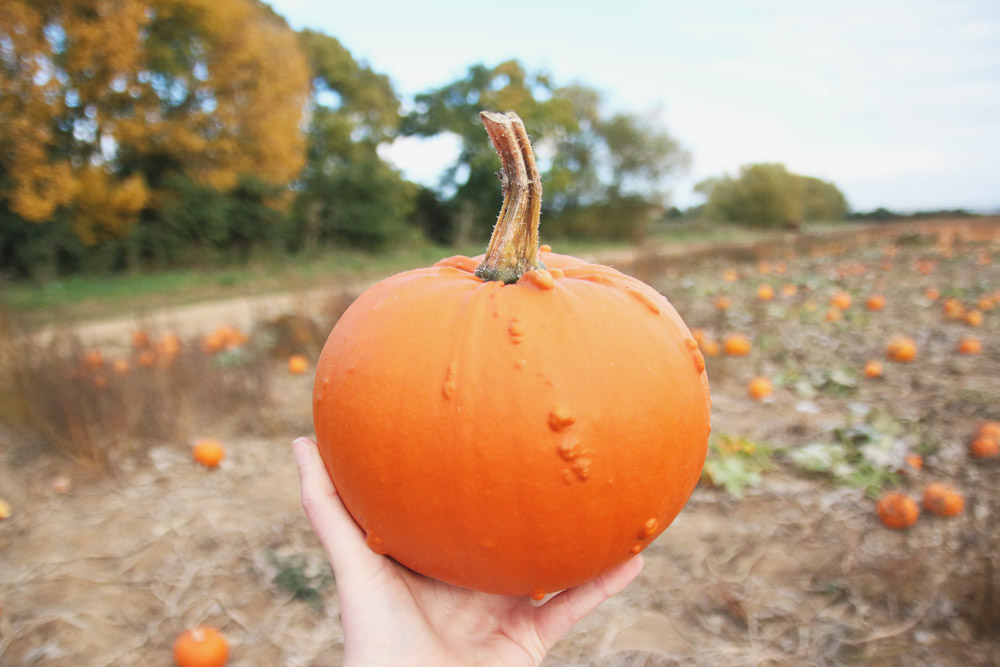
pixel 96 408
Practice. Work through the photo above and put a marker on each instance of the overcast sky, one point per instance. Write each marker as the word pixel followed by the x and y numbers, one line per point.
pixel 895 101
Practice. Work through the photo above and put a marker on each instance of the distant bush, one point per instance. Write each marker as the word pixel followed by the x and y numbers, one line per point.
pixel 882 214
pixel 768 195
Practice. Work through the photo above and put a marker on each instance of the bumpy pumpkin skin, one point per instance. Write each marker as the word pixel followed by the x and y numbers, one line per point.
pixel 513 439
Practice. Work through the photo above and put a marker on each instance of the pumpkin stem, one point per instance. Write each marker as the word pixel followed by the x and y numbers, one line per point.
pixel 513 248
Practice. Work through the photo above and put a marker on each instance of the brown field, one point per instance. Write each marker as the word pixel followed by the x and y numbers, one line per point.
pixel 118 541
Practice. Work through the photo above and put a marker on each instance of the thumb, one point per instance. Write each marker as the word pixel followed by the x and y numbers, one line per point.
pixel 340 535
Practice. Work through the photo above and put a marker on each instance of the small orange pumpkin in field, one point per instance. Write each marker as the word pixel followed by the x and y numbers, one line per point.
pixel 765 292
pixel 984 447
pixel 209 452
pixel 736 345
pixel 168 348
pixel 875 302
pixel 953 309
pixel 969 345
pixel 873 369
pixel 760 388
pixel 974 318
pixel 915 461
pixel 298 364
pixel 93 360
pixel 840 300
pixel 140 339
pixel 506 427
pixel 897 510
pixel 203 646
pixel 943 500
pixel 901 349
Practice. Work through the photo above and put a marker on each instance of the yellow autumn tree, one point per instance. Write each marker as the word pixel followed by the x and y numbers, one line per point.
pixel 104 207
pixel 101 100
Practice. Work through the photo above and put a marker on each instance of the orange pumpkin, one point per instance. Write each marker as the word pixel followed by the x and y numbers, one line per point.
pixel 969 345
pixel 203 646
pixel 953 309
pixel 168 348
pixel 736 345
pixel 760 388
pixel 140 339
pixel 901 349
pixel 722 302
pixel 984 447
pixel 897 510
pixel 974 318
pixel 915 461
pixel 298 364
pixel 93 360
pixel 209 452
pixel 943 500
pixel 875 302
pixel 841 300
pixel 873 369
pixel 510 428
pixel 765 292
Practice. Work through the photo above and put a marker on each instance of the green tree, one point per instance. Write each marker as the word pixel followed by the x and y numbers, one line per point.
pixel 349 194
pixel 768 195
pixel 602 175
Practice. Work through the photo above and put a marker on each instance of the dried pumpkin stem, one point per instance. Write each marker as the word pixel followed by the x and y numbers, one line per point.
pixel 513 248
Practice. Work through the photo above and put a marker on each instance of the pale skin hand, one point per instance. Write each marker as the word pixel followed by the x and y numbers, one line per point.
pixel 393 616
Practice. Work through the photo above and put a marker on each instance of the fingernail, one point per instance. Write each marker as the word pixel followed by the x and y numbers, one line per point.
pixel 302 451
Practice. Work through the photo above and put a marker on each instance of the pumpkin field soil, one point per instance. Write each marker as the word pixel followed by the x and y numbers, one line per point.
pixel 778 559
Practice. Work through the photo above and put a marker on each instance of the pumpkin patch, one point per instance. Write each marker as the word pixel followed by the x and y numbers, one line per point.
pixel 781 534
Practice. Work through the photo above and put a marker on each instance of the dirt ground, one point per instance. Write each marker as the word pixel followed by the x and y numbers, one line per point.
pixel 106 568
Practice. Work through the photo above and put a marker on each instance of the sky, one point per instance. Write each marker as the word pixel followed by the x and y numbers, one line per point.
pixel 897 102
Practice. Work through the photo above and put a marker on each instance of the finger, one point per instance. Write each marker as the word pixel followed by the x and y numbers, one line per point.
pixel 557 616
pixel 341 537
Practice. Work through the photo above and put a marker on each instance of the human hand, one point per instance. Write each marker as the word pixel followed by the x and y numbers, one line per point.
pixel 394 616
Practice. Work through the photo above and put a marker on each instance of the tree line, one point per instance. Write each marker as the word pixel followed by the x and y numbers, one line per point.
pixel 151 133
